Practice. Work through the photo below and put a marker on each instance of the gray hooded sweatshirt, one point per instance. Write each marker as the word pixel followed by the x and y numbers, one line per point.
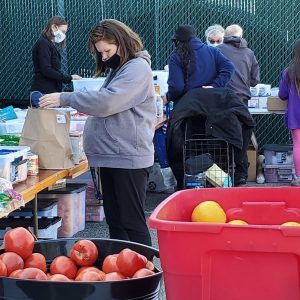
pixel 119 131
pixel 245 63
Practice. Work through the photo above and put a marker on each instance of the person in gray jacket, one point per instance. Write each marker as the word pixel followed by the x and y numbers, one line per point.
pixel 246 75
pixel 119 131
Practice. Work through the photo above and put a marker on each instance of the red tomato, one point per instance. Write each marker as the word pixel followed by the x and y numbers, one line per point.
pixel 150 265
pixel 58 277
pixel 3 269
pixel 129 262
pixel 84 253
pixel 144 258
pixel 142 273
pixel 114 276
pixel 32 273
pixel 15 274
pixel 90 276
pixel 110 264
pixel 12 261
pixel 36 260
pixel 20 241
pixel 63 265
pixel 87 269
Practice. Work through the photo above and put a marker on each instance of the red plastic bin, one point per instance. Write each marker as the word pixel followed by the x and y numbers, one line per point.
pixel 206 261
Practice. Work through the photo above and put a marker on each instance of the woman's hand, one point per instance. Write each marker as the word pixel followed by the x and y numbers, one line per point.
pixel 50 100
pixel 76 77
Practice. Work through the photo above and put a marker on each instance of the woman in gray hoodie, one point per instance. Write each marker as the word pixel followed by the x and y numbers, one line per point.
pixel 119 131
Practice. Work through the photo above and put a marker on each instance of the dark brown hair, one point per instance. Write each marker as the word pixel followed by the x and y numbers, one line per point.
pixel 293 71
pixel 114 32
pixel 47 32
pixel 186 53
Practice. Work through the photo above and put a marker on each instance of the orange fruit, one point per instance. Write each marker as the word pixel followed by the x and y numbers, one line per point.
pixel 290 224
pixel 238 222
pixel 209 211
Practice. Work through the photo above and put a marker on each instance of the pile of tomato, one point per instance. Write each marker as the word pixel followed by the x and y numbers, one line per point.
pixel 19 261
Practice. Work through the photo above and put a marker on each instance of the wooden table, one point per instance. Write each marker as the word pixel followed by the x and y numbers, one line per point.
pixel 35 184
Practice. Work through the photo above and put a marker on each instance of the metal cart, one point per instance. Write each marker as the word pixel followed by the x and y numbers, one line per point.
pixel 203 154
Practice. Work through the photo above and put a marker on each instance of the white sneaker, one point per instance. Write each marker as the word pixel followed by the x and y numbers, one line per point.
pixel 296 181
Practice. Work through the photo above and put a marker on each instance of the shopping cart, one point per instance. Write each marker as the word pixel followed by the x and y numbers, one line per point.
pixel 207 161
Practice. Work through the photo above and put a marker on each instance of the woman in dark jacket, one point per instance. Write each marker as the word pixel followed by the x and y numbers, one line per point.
pixel 48 76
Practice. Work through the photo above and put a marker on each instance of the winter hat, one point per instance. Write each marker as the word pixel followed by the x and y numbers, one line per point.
pixel 184 33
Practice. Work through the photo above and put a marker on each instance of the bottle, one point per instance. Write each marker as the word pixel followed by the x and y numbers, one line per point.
pixel 156 85
pixel 159 106
pixel 169 108
pixel 260 178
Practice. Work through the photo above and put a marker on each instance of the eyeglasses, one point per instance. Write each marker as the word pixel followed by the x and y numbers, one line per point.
pixel 215 42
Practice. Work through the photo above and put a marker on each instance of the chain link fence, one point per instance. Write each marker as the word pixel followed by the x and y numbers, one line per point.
pixel 270 27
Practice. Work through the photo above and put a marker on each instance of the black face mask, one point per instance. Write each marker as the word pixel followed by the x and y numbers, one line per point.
pixel 113 62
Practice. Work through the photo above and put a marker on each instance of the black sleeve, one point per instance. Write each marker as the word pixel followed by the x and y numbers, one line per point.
pixel 44 58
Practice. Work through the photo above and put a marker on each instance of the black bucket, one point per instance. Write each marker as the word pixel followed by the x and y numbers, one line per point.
pixel 138 289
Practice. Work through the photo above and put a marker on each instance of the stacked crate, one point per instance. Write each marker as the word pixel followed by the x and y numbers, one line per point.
pixel 278 166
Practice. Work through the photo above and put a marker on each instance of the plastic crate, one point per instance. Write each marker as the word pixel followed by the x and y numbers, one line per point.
pixel 94 213
pixel 12 164
pixel 206 261
pixel 47 227
pixel 278 154
pixel 278 173
pixel 45 209
pixel 71 207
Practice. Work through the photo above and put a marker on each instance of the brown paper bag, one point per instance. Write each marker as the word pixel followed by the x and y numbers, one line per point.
pixel 46 131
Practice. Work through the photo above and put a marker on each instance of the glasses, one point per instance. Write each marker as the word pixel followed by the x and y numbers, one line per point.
pixel 215 42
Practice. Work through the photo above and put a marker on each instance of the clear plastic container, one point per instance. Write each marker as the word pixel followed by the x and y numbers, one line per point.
pixel 47 227
pixel 45 209
pixel 71 207
pixel 88 84
pixel 12 164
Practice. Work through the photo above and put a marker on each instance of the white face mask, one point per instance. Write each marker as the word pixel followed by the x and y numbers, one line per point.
pixel 59 36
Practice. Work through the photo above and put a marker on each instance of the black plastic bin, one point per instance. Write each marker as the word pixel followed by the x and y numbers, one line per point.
pixel 135 289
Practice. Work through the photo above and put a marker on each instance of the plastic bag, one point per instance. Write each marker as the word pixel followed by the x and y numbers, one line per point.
pixel 161 179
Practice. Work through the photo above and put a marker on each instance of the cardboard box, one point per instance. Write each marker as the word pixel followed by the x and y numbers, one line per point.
pixel 252 153
pixel 276 104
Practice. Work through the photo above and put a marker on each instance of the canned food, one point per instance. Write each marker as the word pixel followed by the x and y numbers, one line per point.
pixel 32 164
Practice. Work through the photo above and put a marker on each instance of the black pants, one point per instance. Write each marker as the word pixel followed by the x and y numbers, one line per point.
pixel 124 195
pixel 240 155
